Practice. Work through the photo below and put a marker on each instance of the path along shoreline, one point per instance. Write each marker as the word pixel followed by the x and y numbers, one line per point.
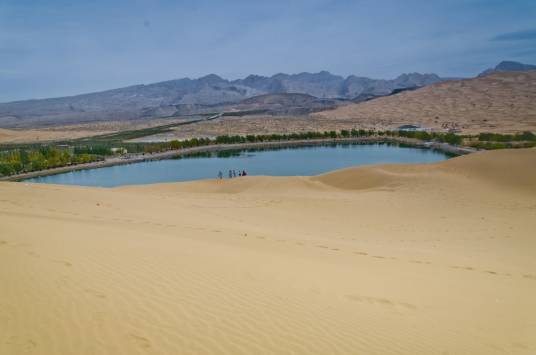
pixel 137 158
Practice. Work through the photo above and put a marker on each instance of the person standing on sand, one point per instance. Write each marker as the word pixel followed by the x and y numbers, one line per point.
pixel 234 173
pixel 244 173
pixel 220 175
pixel 230 174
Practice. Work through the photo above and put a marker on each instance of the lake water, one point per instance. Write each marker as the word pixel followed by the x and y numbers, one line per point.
pixel 309 160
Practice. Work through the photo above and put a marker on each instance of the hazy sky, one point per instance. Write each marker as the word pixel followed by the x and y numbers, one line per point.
pixel 65 47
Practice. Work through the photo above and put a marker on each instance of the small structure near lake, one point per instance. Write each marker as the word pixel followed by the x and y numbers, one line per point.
pixel 119 150
pixel 410 128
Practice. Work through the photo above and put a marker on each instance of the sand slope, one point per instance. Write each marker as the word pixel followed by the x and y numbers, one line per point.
pixel 400 259
pixel 500 102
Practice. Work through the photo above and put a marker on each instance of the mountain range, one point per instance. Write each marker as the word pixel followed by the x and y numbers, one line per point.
pixel 309 92
pixel 207 94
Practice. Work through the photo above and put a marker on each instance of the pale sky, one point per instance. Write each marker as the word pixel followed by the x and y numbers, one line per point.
pixel 66 47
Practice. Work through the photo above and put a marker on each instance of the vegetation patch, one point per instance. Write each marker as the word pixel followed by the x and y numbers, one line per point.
pixel 19 161
pixel 23 158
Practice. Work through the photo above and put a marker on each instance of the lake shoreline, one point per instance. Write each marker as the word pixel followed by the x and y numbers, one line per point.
pixel 138 158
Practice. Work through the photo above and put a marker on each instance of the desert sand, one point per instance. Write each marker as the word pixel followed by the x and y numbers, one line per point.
pixel 500 102
pixel 75 131
pixel 13 136
pixel 391 259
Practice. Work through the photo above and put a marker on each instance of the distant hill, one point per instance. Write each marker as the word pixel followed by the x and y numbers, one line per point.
pixel 500 101
pixel 288 104
pixel 508 66
pixel 206 94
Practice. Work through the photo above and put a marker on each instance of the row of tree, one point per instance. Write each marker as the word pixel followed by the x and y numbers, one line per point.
pixel 292 136
pixel 18 161
pixel 29 159
pixel 450 138
pixel 496 137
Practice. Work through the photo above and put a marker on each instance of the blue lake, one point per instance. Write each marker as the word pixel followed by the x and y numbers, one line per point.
pixel 309 160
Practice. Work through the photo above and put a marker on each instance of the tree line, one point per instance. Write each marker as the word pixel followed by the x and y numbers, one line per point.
pixel 19 161
pixel 33 158
pixel 518 137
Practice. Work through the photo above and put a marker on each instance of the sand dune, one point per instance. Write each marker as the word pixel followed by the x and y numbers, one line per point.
pixel 500 102
pixel 392 259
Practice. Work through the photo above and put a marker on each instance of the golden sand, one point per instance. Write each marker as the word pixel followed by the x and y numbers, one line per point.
pixel 75 131
pixel 397 259
pixel 500 102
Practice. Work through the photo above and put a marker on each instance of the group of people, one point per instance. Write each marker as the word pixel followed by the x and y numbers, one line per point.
pixel 232 174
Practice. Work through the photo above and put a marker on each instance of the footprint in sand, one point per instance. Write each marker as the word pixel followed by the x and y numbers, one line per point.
pixel 65 263
pixel 25 346
pixel 95 293
pixel 420 262
pixel 519 346
pixel 381 301
pixel 372 300
pixel 529 276
pixel 469 268
pixel 361 253
pixel 408 305
pixel 141 341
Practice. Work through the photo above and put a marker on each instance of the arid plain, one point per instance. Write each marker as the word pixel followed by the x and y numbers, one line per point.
pixel 399 259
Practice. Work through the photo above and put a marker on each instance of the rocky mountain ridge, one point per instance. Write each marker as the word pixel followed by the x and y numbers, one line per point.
pixel 211 93
pixel 206 94
pixel 508 66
